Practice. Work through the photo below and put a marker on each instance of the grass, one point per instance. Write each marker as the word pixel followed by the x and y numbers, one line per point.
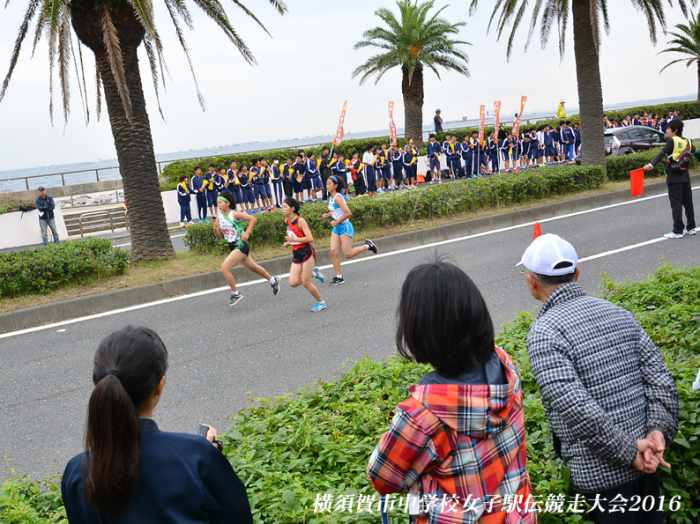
pixel 188 263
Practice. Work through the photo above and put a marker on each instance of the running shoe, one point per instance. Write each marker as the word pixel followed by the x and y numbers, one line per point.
pixel 691 232
pixel 319 275
pixel 182 224
pixel 235 299
pixel 370 246
pixel 336 281
pixel 320 306
pixel 276 286
pixel 671 234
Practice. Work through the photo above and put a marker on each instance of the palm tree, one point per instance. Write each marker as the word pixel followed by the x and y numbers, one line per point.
pixel 687 42
pixel 113 30
pixel 587 16
pixel 412 43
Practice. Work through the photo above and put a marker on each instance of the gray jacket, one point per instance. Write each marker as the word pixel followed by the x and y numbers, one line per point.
pixel 603 383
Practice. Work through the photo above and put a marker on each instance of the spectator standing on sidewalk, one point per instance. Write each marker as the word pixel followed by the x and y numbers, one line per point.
pixel 46 206
pixel 325 169
pixel 561 110
pixel 680 193
pixel 611 403
pixel 438 121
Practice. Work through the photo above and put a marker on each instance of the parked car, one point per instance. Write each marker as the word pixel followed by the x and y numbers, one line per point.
pixel 626 140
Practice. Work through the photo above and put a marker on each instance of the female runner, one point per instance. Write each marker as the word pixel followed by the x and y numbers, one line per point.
pixel 299 237
pixel 342 228
pixel 228 223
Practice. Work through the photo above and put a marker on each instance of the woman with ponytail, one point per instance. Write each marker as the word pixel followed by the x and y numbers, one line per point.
pixel 133 472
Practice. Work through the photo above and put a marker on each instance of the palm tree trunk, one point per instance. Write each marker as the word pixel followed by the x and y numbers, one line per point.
pixel 133 141
pixel 698 64
pixel 590 91
pixel 413 104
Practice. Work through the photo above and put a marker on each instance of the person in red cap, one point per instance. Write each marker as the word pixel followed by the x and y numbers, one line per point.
pixel 611 403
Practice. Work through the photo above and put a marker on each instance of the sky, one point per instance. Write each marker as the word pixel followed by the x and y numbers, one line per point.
pixel 303 76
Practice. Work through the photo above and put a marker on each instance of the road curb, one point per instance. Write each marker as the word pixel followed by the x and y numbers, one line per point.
pixel 122 298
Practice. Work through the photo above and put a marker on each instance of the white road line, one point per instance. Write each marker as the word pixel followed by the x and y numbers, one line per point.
pixel 356 261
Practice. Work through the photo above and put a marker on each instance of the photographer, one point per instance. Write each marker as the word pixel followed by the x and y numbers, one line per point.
pixel 133 472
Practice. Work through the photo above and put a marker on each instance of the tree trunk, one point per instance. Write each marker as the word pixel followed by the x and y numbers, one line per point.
pixel 413 104
pixel 137 162
pixel 590 90
pixel 698 64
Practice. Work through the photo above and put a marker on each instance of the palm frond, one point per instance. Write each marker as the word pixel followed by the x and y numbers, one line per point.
pixel 216 12
pixel 114 51
pixel 64 54
pixel 278 5
pixel 83 88
pixel 98 90
pixel 153 64
pixel 24 27
pixel 181 38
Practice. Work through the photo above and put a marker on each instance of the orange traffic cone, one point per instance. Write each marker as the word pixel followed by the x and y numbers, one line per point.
pixel 538 231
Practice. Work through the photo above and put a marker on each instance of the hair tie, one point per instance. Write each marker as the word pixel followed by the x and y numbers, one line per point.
pixel 115 373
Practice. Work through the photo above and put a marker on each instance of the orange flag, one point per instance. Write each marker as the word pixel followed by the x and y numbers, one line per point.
pixel 637 182
pixel 392 125
pixel 340 133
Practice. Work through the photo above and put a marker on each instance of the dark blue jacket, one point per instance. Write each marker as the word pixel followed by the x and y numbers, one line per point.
pixel 434 148
pixel 184 194
pixel 183 480
pixel 46 205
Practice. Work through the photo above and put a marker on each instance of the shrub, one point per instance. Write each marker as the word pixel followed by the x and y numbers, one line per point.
pixel 40 270
pixel 391 209
pixel 9 205
pixel 23 501
pixel 619 167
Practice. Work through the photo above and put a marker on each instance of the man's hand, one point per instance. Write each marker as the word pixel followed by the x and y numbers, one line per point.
pixel 648 167
pixel 658 448
pixel 646 462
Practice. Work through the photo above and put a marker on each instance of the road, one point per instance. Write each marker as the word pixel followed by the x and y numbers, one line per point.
pixel 273 345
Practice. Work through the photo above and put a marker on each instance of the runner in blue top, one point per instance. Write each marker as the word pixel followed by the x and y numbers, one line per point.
pixel 342 228
pixel 229 225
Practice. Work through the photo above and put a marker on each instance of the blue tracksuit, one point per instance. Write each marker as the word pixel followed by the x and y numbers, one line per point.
pixel 577 140
pixel 434 151
pixel 184 195
pixel 492 149
pixel 198 185
pixel 234 188
pixel 397 165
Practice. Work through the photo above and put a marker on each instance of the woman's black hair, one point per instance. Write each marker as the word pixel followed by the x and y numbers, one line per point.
pixel 128 366
pixel 229 196
pixel 442 319
pixel 293 203
pixel 338 181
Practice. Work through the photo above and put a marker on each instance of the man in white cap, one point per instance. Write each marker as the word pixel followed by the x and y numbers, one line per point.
pixel 611 403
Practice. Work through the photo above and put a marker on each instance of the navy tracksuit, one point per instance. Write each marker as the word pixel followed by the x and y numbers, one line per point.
pixel 198 185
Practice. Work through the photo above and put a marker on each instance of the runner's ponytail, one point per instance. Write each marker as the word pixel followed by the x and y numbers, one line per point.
pixel 128 367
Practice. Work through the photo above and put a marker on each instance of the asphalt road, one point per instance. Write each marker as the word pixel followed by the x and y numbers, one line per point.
pixel 273 345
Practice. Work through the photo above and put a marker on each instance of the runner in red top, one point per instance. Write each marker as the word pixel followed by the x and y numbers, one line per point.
pixel 304 261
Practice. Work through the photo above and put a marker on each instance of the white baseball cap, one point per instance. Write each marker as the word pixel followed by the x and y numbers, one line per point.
pixel 548 251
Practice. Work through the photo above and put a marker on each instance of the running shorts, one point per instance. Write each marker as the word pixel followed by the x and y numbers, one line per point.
pixel 315 182
pixel 303 254
pixel 240 245
pixel 344 229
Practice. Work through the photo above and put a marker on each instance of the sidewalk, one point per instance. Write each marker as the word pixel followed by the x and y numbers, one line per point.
pixel 124 298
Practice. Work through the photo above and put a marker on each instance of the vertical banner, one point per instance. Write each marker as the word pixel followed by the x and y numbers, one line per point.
pixel 516 124
pixel 340 133
pixel 392 126
pixel 482 118
pixel 497 111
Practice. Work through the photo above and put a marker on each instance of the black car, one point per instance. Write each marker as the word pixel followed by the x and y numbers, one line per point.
pixel 626 140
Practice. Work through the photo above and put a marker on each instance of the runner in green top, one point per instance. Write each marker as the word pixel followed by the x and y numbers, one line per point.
pixel 228 224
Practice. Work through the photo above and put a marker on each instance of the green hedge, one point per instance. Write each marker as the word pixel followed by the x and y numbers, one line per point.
pixel 173 171
pixel 290 448
pixel 428 202
pixel 43 269
pixel 9 205
pixel 619 167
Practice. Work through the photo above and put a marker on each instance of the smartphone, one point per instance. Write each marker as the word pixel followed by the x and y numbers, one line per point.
pixel 202 430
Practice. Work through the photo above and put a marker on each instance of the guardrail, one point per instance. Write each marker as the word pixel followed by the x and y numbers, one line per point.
pixel 162 163
pixel 95 213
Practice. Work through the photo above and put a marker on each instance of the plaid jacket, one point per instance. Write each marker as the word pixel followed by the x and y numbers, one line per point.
pixel 603 385
pixel 466 444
